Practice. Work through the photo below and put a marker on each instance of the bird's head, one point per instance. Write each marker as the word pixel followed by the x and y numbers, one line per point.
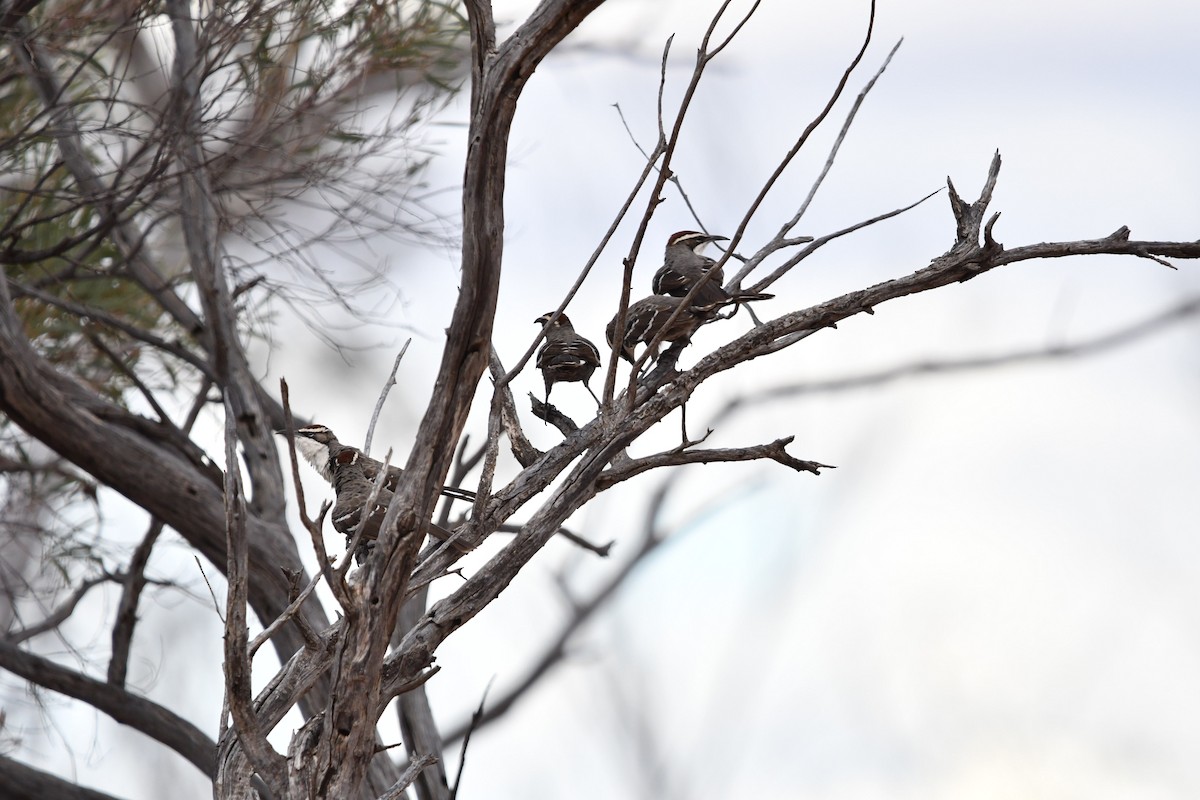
pixel 313 442
pixel 317 433
pixel 562 322
pixel 693 240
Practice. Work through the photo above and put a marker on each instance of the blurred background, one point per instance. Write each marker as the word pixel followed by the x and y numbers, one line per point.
pixel 995 593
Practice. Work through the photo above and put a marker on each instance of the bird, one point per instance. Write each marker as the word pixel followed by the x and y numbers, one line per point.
pixel 316 442
pixel 684 267
pixel 353 489
pixel 648 316
pixel 566 356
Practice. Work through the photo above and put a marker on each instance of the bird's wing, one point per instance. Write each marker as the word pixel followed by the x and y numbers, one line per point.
pixel 669 280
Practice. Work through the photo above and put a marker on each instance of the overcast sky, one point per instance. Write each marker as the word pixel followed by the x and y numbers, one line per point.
pixel 994 595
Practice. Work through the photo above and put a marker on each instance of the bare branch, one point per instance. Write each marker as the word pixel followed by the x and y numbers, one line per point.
pixel 801 141
pixel 22 782
pixel 781 239
pixel 969 216
pixel 552 415
pixel 391 381
pixel 131 592
pixel 60 614
pixel 1155 251
pixel 684 455
pixel 601 550
pixel 269 764
pixel 462 756
pixel 820 242
pixel 709 55
pixel 1108 341
pixel 491 448
pixel 556 650
pixel 415 767
pixel 126 708
pixel 522 449
pixel 418 728
pixel 289 613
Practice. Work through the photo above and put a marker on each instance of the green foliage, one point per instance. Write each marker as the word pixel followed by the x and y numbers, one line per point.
pixel 65 277
pixel 277 81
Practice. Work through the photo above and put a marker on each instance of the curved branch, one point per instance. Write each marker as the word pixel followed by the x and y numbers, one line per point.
pixel 23 782
pixel 1107 341
pixel 60 614
pixel 774 451
pixel 781 238
pixel 126 708
pixel 133 583
pixel 78 426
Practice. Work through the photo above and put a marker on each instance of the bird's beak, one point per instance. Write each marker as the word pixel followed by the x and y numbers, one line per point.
pixel 716 239
pixel 542 320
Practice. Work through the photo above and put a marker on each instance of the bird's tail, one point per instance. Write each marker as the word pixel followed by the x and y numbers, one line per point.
pixel 455 493
pixel 749 297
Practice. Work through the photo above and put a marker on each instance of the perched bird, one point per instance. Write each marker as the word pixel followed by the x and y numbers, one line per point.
pixel 566 356
pixel 684 266
pixel 316 443
pixel 354 488
pixel 648 316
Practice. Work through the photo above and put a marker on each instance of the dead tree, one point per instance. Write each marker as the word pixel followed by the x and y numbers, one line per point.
pixel 230 507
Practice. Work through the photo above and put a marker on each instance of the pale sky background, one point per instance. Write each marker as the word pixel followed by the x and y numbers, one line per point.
pixel 995 593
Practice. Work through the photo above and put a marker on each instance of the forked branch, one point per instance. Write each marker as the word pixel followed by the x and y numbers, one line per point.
pixel 684 454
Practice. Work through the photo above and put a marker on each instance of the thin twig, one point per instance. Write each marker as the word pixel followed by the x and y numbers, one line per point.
pixel 821 241
pixel 462 755
pixel 587 268
pixel 601 550
pixel 711 54
pixel 212 594
pixel 415 767
pixel 115 322
pixel 522 449
pixel 781 238
pixel 463 464
pixel 131 592
pixel 663 148
pixel 803 138
pixel 287 614
pixel 684 304
pixel 391 381
pixel 60 614
pixel 1107 341
pixel 774 451
pixel 491 448
pixel 651 538
pixel 673 177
